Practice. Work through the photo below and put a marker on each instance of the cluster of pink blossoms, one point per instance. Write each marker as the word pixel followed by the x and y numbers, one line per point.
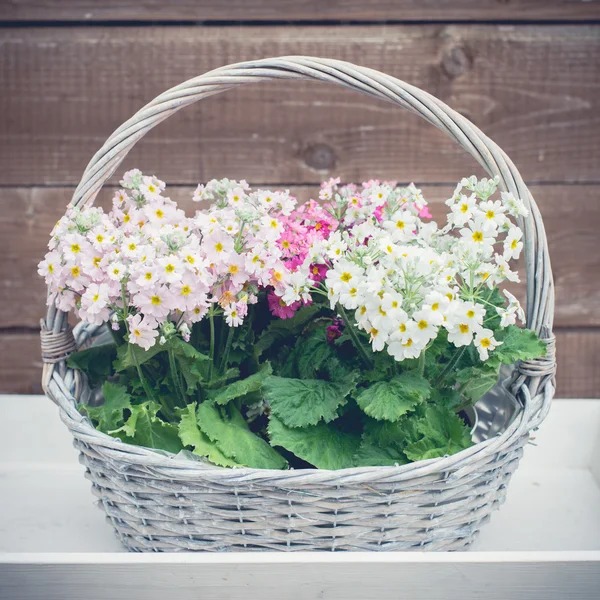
pixel 146 262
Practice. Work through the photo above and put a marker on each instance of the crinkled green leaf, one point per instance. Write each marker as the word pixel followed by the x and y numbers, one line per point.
pixel 280 329
pixel 190 363
pixel 443 433
pixel 324 446
pixel 240 388
pixel 233 437
pixel 145 428
pixel 96 362
pixel 314 353
pixel 383 442
pixel 391 399
pixel 190 435
pixel 128 353
pixel 477 381
pixel 303 402
pixel 517 344
pixel 109 415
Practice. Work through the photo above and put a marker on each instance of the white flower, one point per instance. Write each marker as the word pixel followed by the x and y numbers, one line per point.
pixel 464 209
pixel 513 244
pixel 492 215
pixel 485 343
pixel 514 206
pixel 232 315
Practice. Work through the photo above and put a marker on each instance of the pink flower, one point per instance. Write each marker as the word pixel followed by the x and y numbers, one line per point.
pixel 142 331
pixel 279 308
pixel 318 272
pixel 424 213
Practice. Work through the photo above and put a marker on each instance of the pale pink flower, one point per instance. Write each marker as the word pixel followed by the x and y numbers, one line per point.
pixel 142 331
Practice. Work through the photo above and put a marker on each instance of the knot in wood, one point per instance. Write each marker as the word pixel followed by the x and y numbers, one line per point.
pixel 456 61
pixel 320 157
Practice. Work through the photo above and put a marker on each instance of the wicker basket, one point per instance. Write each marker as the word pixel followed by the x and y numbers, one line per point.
pixel 159 502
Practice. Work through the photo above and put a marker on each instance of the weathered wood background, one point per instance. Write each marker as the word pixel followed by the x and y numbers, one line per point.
pixel 525 71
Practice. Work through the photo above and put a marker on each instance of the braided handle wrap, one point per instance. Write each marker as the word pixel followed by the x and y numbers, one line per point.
pixel 536 375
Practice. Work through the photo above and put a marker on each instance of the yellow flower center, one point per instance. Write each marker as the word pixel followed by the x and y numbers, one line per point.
pixel 233 269
pixel 159 213
pixel 75 271
pixel 422 324
pixel 96 261
pixel 485 342
pixel 463 328
pixel 400 224
pixel 219 247
pixel 470 314
pixel 477 236
pixel 513 245
pixel 435 306
pixel 346 277
pixel 156 300
pixel 148 276
pixel 170 268
pixel 75 248
pixel 186 290
pixel 96 297
pixel 137 333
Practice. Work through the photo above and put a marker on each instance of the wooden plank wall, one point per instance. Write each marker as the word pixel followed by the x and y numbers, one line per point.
pixel 527 72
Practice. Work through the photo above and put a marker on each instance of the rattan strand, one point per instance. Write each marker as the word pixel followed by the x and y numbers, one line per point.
pixel 159 502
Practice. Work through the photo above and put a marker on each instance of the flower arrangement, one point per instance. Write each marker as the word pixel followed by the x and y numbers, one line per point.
pixel 352 331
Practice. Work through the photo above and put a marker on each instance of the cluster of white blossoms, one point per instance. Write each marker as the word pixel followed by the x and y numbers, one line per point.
pixel 147 263
pixel 405 278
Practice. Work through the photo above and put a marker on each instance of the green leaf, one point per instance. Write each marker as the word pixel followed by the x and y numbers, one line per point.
pixel 190 363
pixel 96 362
pixel 477 381
pixel 109 415
pixel 128 353
pixel 145 428
pixel 443 433
pixel 391 399
pixel 234 438
pixel 281 329
pixel 303 402
pixel 383 443
pixel 253 383
pixel 314 354
pixel 324 446
pixel 517 344
pixel 190 435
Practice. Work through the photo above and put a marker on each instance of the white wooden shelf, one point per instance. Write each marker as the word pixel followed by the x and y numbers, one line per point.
pixel 544 542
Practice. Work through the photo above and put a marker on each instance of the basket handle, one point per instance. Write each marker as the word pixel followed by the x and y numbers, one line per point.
pixel 540 294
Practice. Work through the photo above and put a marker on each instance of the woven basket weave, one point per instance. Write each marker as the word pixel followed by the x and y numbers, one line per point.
pixel 159 502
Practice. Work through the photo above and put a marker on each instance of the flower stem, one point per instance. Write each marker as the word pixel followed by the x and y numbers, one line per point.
pixel 175 377
pixel 225 356
pixel 421 364
pixel 451 364
pixel 352 333
pixel 212 345
pixel 138 367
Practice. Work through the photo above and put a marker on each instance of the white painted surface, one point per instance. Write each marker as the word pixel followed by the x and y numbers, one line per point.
pixel 543 543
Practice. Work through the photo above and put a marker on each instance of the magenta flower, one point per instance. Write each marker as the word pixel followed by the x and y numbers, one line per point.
pixel 318 272
pixel 280 309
